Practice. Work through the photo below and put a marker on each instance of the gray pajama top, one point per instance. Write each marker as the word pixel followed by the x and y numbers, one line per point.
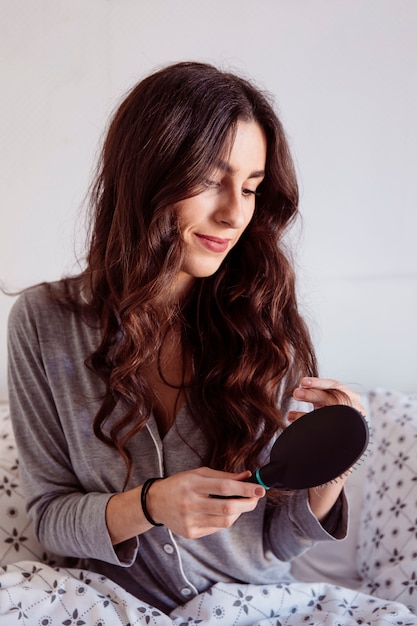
pixel 69 475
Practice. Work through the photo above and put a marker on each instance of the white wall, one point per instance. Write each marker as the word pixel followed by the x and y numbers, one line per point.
pixel 344 73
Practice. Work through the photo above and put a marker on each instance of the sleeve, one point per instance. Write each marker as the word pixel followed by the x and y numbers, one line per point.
pixel 292 528
pixel 67 520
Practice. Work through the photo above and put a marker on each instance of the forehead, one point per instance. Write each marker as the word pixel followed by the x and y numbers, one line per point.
pixel 246 148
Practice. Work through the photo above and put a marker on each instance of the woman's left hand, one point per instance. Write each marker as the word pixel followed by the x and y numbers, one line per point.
pixel 324 392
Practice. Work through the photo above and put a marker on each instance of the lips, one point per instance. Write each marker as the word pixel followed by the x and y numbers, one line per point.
pixel 214 244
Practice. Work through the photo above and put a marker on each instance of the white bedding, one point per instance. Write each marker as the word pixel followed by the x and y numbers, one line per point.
pixel 32 593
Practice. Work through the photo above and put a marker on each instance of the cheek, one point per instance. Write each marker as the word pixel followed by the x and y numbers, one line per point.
pixel 188 213
pixel 248 221
pixel 249 218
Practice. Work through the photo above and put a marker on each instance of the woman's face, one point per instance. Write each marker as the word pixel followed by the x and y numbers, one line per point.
pixel 212 221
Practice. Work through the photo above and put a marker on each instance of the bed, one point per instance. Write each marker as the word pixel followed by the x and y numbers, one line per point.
pixel 369 578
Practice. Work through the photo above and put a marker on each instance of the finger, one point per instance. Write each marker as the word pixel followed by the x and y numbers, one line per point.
pixel 224 507
pixel 314 390
pixel 209 473
pixel 204 482
pixel 294 415
pixel 329 385
pixel 202 524
pixel 320 383
pixel 205 526
pixel 235 489
pixel 321 397
pixel 326 392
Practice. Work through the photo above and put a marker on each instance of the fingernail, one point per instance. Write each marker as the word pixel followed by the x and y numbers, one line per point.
pixel 299 393
pixel 259 492
pixel 306 382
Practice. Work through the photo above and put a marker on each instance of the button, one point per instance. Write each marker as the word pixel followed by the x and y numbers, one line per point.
pixel 186 591
pixel 168 548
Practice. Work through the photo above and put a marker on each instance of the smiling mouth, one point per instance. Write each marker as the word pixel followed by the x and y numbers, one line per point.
pixel 214 244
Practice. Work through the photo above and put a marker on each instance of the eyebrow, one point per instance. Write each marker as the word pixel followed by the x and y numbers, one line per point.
pixel 226 167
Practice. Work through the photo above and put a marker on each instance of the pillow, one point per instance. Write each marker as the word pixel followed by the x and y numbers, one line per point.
pixel 387 548
pixel 335 562
pixel 17 538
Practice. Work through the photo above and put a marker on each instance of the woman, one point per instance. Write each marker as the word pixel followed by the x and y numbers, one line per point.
pixel 174 355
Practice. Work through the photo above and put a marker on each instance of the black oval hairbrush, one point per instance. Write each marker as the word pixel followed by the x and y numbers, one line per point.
pixel 315 449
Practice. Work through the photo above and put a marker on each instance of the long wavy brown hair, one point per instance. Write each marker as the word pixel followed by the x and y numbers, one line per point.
pixel 248 343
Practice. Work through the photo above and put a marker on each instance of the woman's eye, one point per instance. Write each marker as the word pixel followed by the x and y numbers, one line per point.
pixel 251 192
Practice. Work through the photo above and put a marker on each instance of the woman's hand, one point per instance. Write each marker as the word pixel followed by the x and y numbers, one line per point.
pixel 323 392
pixel 185 503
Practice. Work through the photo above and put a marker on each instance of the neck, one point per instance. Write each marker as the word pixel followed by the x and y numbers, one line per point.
pixel 182 286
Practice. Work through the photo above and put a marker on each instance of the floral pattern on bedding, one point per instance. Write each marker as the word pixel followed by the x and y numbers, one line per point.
pixel 387 551
pixel 35 594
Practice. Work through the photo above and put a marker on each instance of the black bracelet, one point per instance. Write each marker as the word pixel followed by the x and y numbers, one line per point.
pixel 145 488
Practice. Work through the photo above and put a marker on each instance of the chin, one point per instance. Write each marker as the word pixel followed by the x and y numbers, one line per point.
pixel 203 270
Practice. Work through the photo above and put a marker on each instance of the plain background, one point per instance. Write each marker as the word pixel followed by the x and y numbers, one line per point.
pixel 344 77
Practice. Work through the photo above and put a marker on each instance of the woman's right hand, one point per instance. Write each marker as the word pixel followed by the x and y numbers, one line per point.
pixel 185 504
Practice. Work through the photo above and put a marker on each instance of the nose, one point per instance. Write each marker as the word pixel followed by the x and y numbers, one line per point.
pixel 231 211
